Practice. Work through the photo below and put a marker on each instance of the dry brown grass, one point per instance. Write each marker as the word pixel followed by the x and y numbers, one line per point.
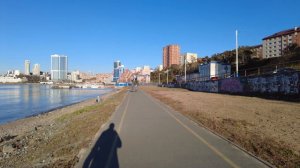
pixel 59 144
pixel 269 129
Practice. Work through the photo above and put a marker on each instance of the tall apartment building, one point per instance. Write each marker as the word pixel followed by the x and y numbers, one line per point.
pixel 171 55
pixel 27 67
pixel 274 45
pixel 118 70
pixel 59 67
pixel 36 69
pixel 190 58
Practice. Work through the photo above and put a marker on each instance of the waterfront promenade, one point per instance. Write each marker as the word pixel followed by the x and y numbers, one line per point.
pixel 145 133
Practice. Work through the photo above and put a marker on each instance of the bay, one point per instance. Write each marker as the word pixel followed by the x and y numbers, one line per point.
pixel 23 100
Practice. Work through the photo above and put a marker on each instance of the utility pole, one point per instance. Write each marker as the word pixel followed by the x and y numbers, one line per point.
pixel 185 68
pixel 159 78
pixel 167 76
pixel 236 54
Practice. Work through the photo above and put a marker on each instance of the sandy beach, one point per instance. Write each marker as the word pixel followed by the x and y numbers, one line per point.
pixel 54 139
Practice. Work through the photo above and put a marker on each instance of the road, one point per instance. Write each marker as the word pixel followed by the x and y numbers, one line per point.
pixel 145 133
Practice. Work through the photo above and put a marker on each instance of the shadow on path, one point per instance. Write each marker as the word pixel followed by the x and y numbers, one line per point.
pixel 104 153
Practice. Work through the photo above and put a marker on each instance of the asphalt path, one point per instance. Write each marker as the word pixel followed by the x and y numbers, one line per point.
pixel 145 133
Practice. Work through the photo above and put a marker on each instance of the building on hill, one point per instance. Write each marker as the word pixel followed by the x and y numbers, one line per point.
pixel 190 58
pixel 171 55
pixel 274 45
pixel 257 52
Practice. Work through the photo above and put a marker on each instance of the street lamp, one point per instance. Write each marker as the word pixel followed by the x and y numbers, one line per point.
pixel 185 68
pixel 236 54
pixel 159 78
pixel 167 71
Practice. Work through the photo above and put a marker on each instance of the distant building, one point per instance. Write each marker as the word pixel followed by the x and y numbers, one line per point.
pixel 59 67
pixel 118 70
pixel 171 55
pixel 36 69
pixel 160 67
pixel 27 67
pixel 257 51
pixel 75 76
pixel 274 45
pixel 146 70
pixel 104 78
pixel 214 70
pixel 10 79
pixel 138 69
pixel 12 73
pixel 190 58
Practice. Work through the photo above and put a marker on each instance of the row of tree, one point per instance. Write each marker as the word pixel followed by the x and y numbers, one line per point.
pixel 32 78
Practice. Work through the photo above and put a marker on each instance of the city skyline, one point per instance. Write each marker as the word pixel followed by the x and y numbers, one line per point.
pixel 135 32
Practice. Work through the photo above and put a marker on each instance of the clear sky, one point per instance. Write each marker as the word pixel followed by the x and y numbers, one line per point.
pixel 95 33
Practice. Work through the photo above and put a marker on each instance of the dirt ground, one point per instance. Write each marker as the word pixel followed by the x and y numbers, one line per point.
pixel 267 128
pixel 55 139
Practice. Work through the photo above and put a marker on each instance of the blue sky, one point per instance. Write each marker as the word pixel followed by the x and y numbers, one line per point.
pixel 95 33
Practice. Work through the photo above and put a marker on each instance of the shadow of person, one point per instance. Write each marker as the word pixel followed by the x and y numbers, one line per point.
pixel 104 153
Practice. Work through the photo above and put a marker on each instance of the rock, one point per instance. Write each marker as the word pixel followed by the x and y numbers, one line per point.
pixel 7 148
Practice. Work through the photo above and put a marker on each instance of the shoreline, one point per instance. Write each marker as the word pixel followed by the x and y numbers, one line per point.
pixel 14 125
pixel 42 112
pixel 55 139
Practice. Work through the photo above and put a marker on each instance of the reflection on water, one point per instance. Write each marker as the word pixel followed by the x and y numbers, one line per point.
pixel 19 101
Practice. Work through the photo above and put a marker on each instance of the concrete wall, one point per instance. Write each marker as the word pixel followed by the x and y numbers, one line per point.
pixel 279 84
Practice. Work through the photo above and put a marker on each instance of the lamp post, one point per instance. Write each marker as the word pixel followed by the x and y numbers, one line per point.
pixel 159 78
pixel 236 54
pixel 167 76
pixel 185 68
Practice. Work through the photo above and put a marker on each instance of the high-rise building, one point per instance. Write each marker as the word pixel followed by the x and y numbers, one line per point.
pixel 36 69
pixel 117 64
pixel 27 67
pixel 171 55
pixel 118 70
pixel 190 58
pixel 59 67
pixel 274 45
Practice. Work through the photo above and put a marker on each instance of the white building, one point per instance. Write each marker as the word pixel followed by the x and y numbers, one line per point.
pixel 59 67
pixel 9 79
pixel 36 69
pixel 138 69
pixel 27 67
pixel 75 76
pixel 190 58
pixel 214 70
pixel 160 67
pixel 146 70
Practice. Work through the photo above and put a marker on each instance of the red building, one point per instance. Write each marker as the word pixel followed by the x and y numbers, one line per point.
pixel 171 55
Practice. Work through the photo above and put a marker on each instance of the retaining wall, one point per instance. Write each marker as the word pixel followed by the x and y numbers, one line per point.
pixel 273 84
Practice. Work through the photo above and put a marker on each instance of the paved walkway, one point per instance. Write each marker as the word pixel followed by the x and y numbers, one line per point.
pixel 144 133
